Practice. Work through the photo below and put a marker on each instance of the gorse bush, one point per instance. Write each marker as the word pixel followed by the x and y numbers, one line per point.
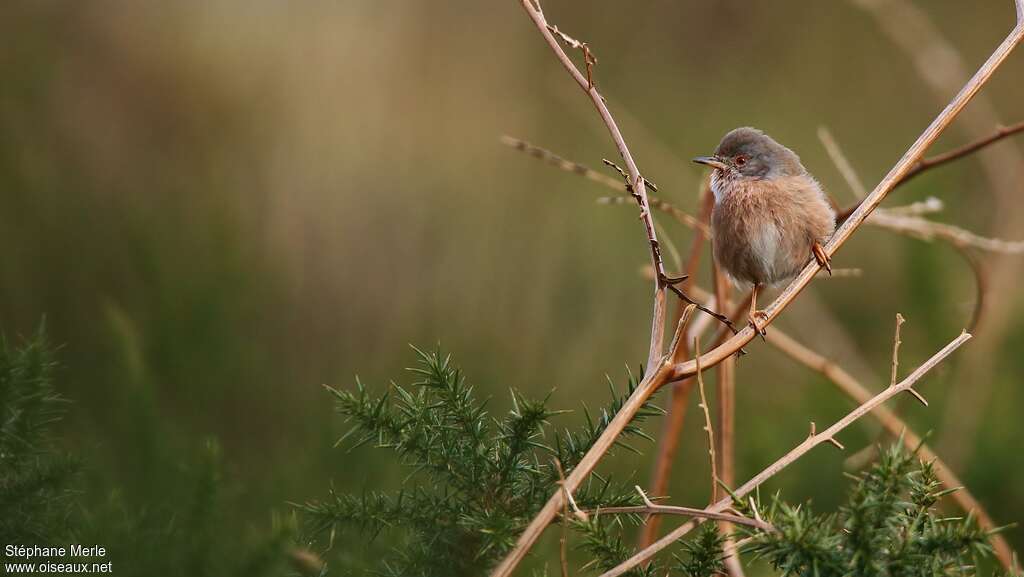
pixel 888 527
pixel 41 502
pixel 35 478
pixel 477 480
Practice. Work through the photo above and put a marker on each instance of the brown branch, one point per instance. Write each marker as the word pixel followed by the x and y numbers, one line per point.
pixel 666 207
pixel 636 182
pixel 842 164
pixel 927 230
pixel 906 220
pixel 931 162
pixel 890 421
pixel 962 151
pixel 651 508
pixel 792 456
pixel 668 442
pixel 660 374
pixel 852 388
pixel 707 424
pixel 895 175
pixel 896 342
pixel 726 390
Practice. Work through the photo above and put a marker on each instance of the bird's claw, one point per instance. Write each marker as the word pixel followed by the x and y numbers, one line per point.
pixel 763 316
pixel 824 260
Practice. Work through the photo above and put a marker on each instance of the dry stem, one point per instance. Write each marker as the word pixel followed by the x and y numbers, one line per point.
pixel 791 457
pixel 852 388
pixel 707 424
pixel 651 508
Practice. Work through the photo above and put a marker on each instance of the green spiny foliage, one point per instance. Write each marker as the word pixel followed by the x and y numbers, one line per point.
pixel 35 495
pixel 889 528
pixel 188 535
pixel 605 546
pixel 38 505
pixel 476 480
pixel 705 554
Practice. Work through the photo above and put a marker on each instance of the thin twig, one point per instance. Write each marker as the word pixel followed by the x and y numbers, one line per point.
pixel 927 230
pixel 726 390
pixel 668 208
pixel 651 508
pixel 1000 133
pixel 842 164
pixel 896 342
pixel 636 181
pixel 707 423
pixel 929 205
pixel 791 457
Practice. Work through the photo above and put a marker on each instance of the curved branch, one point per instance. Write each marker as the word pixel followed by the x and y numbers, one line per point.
pixel 637 183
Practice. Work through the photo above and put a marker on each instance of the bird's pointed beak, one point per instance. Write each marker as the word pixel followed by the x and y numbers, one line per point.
pixel 710 161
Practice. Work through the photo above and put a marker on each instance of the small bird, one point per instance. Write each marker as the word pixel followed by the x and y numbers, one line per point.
pixel 770 215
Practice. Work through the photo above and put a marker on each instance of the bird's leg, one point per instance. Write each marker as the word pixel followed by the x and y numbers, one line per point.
pixel 755 314
pixel 822 257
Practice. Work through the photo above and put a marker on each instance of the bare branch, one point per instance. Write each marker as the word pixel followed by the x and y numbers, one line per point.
pixel 842 164
pixel 896 342
pixel 860 394
pixel 927 230
pixel 1000 133
pixel 707 423
pixel 856 391
pixel 651 508
pixel 791 457
pixel 636 181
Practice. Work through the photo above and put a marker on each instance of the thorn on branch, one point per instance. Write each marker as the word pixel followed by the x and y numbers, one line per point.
pixel 836 443
pixel 647 501
pixel 896 350
pixel 579 514
pixel 588 57
pixel 918 396
pixel 831 440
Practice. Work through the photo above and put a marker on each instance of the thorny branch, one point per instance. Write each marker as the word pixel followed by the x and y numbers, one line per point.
pixel 795 454
pixel 651 508
pixel 924 164
pixel 860 394
pixel 660 373
pixel 636 181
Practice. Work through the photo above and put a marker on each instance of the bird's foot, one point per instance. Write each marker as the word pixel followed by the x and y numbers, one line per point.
pixel 754 317
pixel 824 260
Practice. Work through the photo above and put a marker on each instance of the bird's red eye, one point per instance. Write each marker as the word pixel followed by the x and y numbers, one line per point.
pixel 741 160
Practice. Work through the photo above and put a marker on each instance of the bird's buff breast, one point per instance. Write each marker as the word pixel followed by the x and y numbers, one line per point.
pixel 759 233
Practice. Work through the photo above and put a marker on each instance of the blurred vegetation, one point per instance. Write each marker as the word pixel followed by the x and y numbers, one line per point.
pixel 218 210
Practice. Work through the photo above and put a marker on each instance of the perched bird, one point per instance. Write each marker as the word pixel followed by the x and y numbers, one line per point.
pixel 770 215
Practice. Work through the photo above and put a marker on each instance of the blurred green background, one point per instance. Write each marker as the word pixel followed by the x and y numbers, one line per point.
pixel 219 206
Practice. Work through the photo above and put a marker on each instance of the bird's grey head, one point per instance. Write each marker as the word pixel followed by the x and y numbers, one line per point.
pixel 748 152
